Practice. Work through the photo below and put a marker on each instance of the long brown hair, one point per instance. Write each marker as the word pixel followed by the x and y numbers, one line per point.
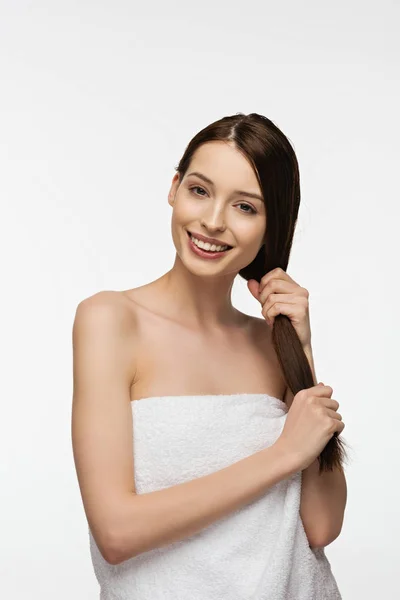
pixel 277 171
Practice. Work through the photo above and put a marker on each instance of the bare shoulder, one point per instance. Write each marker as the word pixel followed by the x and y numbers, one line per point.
pixel 106 318
pixel 101 424
pixel 108 304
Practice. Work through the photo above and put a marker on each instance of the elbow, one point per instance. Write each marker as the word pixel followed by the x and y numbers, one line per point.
pixel 324 539
pixel 116 550
pixel 109 547
pixel 111 551
pixel 113 559
pixel 116 543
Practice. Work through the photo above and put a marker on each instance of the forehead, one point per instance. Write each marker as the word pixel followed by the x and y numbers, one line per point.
pixel 225 166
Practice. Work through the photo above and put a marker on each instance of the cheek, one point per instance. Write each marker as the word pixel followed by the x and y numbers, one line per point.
pixel 184 209
pixel 250 238
pixel 181 218
pixel 250 243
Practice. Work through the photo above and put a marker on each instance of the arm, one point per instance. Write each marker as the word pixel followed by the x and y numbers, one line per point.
pixel 323 497
pixel 158 518
pixel 124 523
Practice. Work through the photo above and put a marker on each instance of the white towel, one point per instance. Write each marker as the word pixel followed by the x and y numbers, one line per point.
pixel 258 552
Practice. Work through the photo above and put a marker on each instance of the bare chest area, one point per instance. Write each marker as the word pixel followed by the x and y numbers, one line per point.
pixel 173 361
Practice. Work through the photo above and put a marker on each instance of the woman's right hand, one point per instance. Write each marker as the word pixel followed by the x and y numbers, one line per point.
pixel 310 423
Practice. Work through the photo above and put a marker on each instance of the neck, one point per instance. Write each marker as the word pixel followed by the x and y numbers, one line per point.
pixel 205 302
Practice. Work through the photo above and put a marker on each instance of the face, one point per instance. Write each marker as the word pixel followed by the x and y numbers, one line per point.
pixel 214 208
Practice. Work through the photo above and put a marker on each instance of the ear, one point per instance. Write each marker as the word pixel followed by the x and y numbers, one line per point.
pixel 173 189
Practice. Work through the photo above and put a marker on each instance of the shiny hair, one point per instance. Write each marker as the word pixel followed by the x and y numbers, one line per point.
pixel 276 168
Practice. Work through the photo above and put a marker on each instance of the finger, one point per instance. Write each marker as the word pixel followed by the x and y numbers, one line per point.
pixel 334 414
pixel 268 302
pixel 277 273
pixel 339 425
pixel 321 390
pixel 281 308
pixel 277 286
pixel 254 288
pixel 331 403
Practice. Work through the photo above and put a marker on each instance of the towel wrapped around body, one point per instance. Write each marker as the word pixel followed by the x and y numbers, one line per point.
pixel 258 552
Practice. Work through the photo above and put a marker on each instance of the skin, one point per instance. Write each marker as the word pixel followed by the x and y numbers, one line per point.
pixel 180 334
pixel 191 338
pixel 199 290
pixel 203 289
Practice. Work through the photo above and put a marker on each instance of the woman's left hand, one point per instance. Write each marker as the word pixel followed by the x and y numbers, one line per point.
pixel 278 294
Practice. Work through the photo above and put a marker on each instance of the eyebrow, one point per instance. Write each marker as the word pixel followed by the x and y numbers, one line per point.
pixel 241 193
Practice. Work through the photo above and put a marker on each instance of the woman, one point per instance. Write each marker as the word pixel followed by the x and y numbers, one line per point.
pixel 207 455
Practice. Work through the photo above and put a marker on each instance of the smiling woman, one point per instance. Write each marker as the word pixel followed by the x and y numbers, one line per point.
pixel 193 422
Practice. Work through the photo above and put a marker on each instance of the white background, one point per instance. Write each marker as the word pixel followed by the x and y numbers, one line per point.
pixel 98 102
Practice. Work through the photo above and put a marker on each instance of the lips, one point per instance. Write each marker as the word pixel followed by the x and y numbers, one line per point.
pixel 208 240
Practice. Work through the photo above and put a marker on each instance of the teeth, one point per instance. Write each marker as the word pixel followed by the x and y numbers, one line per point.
pixel 207 246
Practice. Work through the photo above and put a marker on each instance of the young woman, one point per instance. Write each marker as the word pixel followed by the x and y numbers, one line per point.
pixel 207 455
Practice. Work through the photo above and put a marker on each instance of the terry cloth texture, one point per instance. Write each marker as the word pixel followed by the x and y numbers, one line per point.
pixel 258 552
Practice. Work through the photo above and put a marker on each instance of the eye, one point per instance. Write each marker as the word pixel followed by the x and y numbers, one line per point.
pixel 198 187
pixel 251 211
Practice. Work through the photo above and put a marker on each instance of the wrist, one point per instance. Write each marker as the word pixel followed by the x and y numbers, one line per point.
pixel 288 458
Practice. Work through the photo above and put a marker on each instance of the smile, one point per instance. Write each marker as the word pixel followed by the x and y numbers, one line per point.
pixel 207 250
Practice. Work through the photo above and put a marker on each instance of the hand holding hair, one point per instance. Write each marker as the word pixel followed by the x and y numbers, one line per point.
pixel 310 423
pixel 278 294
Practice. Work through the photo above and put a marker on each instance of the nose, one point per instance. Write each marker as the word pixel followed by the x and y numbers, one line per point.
pixel 214 222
